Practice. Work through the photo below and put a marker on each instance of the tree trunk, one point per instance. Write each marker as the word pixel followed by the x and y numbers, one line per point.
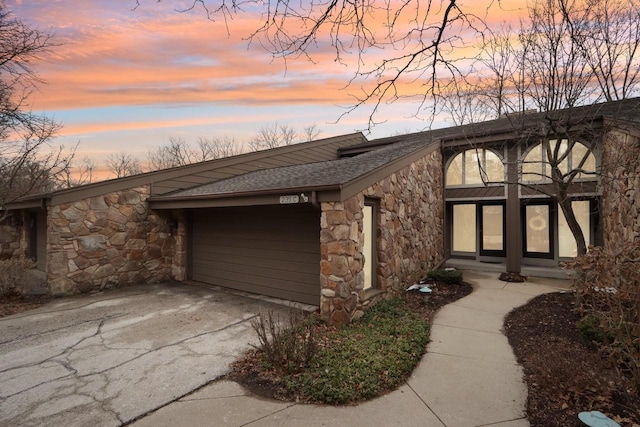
pixel 572 222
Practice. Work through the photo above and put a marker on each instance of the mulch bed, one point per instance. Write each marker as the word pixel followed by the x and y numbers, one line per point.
pixel 564 373
pixel 15 303
pixel 249 373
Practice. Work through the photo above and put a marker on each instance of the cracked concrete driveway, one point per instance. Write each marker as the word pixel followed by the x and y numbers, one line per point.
pixel 106 359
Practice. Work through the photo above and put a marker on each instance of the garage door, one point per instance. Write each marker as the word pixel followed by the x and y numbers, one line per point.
pixel 268 250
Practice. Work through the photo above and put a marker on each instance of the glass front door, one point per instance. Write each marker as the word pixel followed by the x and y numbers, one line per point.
pixel 492 230
pixel 538 230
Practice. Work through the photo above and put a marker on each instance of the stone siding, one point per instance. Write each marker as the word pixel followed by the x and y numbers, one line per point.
pixel 620 188
pixel 11 239
pixel 108 240
pixel 410 221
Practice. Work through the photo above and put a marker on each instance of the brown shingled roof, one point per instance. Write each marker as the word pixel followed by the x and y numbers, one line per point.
pixel 333 173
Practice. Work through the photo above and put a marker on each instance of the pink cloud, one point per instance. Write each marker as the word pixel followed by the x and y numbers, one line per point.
pixel 111 55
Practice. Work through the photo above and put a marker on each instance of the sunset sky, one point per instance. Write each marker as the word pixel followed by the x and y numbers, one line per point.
pixel 126 80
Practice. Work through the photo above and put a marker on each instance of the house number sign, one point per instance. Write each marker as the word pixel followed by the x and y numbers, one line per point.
pixel 285 200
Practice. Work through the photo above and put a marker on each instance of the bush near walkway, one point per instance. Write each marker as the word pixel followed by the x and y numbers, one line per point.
pixel 362 360
pixel 607 282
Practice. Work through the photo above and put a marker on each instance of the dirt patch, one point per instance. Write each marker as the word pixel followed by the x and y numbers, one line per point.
pixel 565 374
pixel 250 371
pixel 14 304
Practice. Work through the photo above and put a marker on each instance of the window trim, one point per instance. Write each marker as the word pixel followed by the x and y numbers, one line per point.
pixel 373 263
pixel 552 226
pixel 461 254
pixel 480 220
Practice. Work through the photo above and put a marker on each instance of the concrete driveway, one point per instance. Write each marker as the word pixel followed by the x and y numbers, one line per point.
pixel 109 358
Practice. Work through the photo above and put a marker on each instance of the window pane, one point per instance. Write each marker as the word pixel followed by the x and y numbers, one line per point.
pixel 492 238
pixel 471 167
pixel 537 229
pixel 567 243
pixel 454 171
pixel 578 152
pixel 532 165
pixel 589 166
pixel 564 164
pixel 367 227
pixel 464 228
pixel 494 167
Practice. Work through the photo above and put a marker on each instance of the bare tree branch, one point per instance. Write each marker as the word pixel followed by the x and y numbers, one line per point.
pixel 122 164
pixel 24 168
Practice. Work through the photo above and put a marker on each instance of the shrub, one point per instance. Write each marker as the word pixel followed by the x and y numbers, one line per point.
pixel 590 329
pixel 366 357
pixel 287 345
pixel 453 277
pixel 607 283
pixel 13 273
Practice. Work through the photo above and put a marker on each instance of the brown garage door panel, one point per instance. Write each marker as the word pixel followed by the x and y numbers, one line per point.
pixel 295 295
pixel 270 250
pixel 260 244
pixel 261 273
pixel 231 254
pixel 240 262
pixel 247 279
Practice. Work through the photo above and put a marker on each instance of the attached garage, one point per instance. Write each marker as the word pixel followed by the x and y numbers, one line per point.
pixel 268 250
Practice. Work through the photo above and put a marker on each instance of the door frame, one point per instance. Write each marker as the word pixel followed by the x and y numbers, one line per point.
pixel 552 227
pixel 480 224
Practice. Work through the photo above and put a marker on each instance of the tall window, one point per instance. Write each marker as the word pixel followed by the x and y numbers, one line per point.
pixel 566 241
pixel 475 167
pixel 536 166
pixel 464 228
pixel 369 249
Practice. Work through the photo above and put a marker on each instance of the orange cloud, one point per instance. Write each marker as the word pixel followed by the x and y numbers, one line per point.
pixel 113 56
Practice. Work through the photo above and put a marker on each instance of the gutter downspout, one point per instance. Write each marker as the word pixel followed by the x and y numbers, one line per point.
pixel 314 200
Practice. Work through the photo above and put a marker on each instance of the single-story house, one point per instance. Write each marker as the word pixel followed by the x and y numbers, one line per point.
pixel 341 222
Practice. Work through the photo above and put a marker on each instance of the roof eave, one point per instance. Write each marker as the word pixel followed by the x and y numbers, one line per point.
pixel 238 198
pixel 28 203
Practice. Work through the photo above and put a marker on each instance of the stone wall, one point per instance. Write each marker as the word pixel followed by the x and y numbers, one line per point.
pixel 179 266
pixel 620 188
pixel 108 240
pixel 410 225
pixel 11 239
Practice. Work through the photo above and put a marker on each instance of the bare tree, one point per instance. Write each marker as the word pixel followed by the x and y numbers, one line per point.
pixel 562 76
pixel 549 65
pixel 608 34
pixel 218 147
pixel 176 153
pixel 272 136
pixel 74 174
pixel 122 164
pixel 277 135
pixel 24 168
pixel 179 152
pixel 311 132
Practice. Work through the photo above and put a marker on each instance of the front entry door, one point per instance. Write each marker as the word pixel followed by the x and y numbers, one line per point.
pixel 538 230
pixel 492 229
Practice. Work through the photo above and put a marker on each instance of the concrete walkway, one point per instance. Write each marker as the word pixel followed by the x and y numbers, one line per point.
pixel 469 377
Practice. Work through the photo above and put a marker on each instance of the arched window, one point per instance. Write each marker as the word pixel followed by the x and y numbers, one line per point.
pixel 537 168
pixel 475 167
